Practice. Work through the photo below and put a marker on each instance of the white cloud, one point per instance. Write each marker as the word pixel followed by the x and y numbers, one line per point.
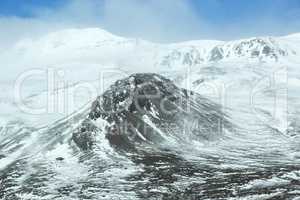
pixel 168 20
pixel 155 20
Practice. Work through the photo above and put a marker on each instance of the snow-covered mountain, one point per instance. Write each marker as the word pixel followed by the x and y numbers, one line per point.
pixel 83 54
pixel 51 82
pixel 100 47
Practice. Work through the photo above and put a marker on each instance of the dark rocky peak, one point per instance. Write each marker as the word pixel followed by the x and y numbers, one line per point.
pixel 137 93
pixel 148 109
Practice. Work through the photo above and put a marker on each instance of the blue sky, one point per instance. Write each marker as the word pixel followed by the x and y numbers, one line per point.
pixel 24 8
pixel 157 20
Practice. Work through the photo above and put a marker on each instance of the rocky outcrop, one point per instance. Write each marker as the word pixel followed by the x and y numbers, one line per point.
pixel 148 109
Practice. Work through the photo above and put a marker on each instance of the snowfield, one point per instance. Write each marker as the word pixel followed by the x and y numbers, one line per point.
pixel 50 83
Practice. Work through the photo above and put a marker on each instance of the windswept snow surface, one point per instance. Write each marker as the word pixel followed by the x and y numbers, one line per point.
pixel 49 84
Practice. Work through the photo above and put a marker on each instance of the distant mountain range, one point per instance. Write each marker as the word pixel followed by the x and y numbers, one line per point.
pixel 99 46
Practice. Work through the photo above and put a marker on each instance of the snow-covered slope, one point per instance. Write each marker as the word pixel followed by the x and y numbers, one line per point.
pixel 98 46
pixel 50 82
pixel 87 54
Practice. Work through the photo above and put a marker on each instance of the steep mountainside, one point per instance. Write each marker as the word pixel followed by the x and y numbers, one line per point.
pixel 145 109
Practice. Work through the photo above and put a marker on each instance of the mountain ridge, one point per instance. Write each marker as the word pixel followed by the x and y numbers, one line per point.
pixel 92 42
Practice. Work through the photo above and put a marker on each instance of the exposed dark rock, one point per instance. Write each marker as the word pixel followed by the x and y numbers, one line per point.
pixel 84 135
pixel 59 158
pixel 189 58
pixel 144 108
pixel 259 48
pixel 216 54
pixel 255 53
pixel 267 50
pixel 198 82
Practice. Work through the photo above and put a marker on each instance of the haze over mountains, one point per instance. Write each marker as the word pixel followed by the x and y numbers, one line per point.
pixel 98 46
pixel 82 54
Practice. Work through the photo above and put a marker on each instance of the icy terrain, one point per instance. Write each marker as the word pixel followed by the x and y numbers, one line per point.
pixel 50 86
